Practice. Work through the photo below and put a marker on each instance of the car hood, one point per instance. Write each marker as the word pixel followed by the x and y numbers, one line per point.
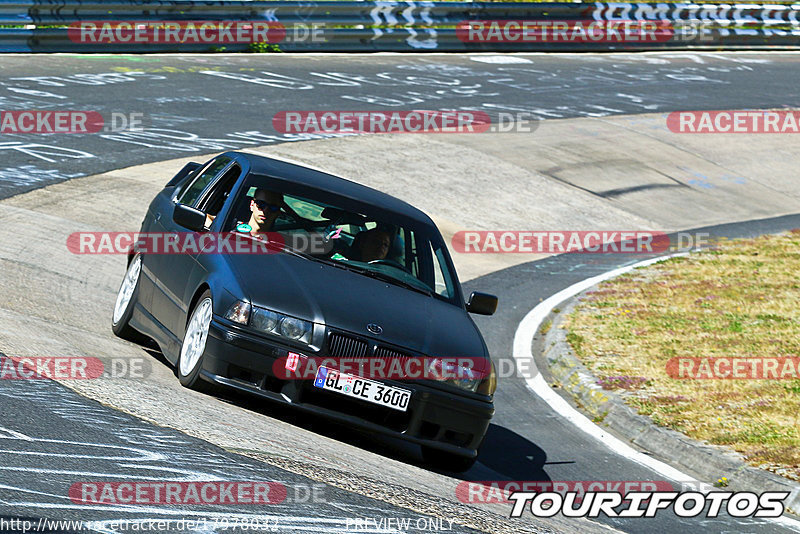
pixel 350 301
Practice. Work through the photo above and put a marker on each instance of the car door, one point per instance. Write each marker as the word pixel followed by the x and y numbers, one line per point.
pixel 171 271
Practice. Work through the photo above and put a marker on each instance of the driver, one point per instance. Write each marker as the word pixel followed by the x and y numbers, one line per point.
pixel 264 209
pixel 373 245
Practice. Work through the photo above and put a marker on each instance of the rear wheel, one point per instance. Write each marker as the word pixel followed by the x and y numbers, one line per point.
pixel 126 302
pixel 447 461
pixel 193 349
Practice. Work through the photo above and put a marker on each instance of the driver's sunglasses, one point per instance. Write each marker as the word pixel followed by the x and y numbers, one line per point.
pixel 262 204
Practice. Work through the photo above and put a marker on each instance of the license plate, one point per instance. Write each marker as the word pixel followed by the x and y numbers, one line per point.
pixel 361 388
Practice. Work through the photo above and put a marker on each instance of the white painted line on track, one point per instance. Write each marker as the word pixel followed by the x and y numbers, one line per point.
pixel 499 60
pixel 522 350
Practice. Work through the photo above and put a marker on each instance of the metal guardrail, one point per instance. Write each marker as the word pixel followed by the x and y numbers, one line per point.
pixel 54 26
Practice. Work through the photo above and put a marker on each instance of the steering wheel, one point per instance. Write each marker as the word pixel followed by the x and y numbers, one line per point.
pixel 390 263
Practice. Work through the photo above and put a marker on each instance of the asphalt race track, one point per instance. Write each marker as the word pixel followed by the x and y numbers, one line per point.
pixel 52 437
pixel 199 104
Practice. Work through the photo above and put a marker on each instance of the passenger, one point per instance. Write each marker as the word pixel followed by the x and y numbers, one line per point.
pixel 372 245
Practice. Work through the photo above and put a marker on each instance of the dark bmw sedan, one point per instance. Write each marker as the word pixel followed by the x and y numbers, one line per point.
pixel 322 270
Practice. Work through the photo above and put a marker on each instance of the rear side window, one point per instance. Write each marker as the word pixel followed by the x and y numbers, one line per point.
pixel 191 194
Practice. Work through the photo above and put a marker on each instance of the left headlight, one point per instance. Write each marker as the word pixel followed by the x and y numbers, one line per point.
pixel 271 322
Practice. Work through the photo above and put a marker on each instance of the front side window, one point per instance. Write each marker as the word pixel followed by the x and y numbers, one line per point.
pixel 442 279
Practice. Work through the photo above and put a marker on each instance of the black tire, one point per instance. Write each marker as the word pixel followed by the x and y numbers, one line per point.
pixel 447 461
pixel 193 380
pixel 121 328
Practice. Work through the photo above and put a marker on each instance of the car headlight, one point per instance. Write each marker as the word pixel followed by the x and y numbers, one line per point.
pixel 457 374
pixel 266 320
pixel 294 328
pixel 270 322
pixel 281 325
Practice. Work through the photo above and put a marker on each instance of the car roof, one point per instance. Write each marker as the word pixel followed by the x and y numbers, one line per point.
pixel 310 177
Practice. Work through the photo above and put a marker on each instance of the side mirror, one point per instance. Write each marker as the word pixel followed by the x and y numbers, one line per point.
pixel 188 217
pixel 183 173
pixel 482 303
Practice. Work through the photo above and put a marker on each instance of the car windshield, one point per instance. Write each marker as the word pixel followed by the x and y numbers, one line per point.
pixel 350 235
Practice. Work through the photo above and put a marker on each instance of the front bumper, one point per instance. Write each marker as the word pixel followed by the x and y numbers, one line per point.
pixel 435 418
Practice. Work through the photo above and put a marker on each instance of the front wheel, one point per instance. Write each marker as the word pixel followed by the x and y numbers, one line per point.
pixel 193 349
pixel 447 461
pixel 126 302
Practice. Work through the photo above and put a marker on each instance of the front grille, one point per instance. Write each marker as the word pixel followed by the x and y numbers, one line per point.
pixel 341 346
pixel 352 349
pixel 390 354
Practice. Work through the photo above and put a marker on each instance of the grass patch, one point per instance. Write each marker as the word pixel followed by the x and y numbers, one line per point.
pixel 599 418
pixel 738 300
pixel 576 341
pixel 546 326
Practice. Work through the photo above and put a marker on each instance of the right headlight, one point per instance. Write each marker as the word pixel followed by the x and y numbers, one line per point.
pixel 457 374
pixel 294 328
pixel 272 322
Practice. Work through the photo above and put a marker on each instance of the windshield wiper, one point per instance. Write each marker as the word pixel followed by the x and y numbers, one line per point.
pixel 387 278
pixel 306 255
pixel 361 270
